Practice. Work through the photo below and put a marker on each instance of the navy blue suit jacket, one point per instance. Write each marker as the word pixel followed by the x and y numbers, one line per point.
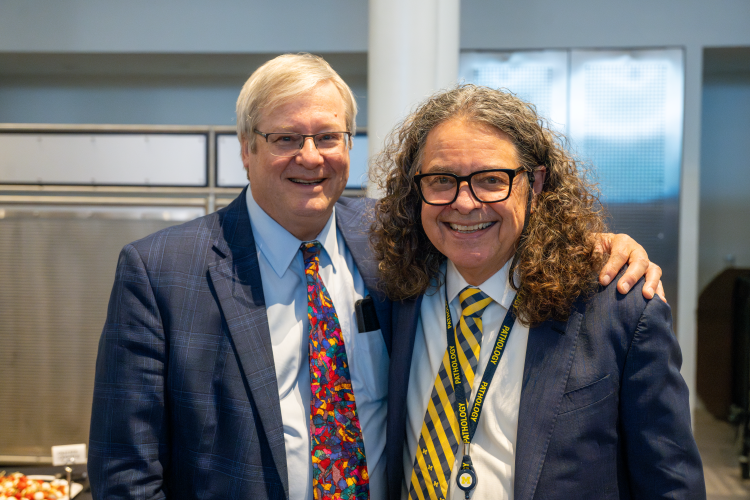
pixel 186 403
pixel 604 411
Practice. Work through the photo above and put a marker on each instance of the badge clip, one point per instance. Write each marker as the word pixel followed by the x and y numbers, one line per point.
pixel 466 477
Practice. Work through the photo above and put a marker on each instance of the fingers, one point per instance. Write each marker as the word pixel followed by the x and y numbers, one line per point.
pixel 649 294
pixel 620 248
pixel 603 242
pixel 653 281
pixel 660 292
pixel 625 250
pixel 637 266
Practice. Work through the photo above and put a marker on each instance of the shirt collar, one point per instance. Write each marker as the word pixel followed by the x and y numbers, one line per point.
pixel 497 286
pixel 278 245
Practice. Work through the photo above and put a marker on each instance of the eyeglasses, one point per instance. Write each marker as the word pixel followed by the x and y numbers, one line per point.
pixel 487 186
pixel 288 144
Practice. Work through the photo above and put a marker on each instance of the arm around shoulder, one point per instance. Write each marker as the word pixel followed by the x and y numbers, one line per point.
pixel 128 450
pixel 661 454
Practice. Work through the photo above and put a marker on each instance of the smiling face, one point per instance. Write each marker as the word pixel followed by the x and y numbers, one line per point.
pixel 479 238
pixel 299 192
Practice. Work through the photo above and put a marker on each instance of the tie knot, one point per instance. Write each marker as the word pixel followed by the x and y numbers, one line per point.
pixel 310 251
pixel 473 302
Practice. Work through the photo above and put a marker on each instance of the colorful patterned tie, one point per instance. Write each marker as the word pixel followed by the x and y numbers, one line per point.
pixel 338 452
pixel 439 440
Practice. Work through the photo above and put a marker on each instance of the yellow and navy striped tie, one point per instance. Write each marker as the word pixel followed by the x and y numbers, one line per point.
pixel 439 440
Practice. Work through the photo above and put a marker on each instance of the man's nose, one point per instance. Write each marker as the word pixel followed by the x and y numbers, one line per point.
pixel 308 155
pixel 465 202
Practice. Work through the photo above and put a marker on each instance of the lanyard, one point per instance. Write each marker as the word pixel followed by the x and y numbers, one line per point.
pixel 468 419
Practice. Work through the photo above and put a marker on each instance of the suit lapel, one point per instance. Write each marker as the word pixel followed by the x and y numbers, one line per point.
pixel 350 221
pixel 549 356
pixel 235 275
pixel 405 316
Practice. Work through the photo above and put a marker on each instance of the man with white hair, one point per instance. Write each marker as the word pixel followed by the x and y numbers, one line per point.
pixel 233 363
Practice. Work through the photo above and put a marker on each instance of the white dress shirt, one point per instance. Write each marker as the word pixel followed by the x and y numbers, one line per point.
pixel 284 286
pixel 493 446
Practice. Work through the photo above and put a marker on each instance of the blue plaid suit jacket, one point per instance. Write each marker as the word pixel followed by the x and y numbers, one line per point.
pixel 604 411
pixel 186 402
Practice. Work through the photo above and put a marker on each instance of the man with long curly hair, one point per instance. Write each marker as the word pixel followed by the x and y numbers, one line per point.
pixel 514 374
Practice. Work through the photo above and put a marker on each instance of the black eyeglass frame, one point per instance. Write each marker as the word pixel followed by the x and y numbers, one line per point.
pixel 304 138
pixel 467 178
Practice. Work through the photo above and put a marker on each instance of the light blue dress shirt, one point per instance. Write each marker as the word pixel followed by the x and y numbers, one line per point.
pixel 284 286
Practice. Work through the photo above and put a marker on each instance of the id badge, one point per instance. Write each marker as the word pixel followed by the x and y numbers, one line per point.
pixel 466 479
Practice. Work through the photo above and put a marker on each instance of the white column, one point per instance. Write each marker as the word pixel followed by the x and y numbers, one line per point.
pixel 413 52
pixel 687 271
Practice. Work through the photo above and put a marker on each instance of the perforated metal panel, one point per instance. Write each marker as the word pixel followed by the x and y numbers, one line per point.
pixel 626 118
pixel 57 266
pixel 626 115
pixel 540 77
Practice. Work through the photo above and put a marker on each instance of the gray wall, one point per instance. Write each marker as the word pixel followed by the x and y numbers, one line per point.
pixel 168 62
pixel 183 26
pixel 141 88
pixel 234 26
pixel 603 23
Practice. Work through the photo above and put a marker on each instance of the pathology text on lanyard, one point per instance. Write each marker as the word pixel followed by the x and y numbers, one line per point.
pixel 467 420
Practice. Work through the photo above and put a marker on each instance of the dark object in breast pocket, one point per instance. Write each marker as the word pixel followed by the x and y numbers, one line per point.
pixel 367 319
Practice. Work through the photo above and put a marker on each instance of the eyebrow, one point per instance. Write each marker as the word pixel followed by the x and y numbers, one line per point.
pixel 440 169
pixel 447 169
pixel 328 127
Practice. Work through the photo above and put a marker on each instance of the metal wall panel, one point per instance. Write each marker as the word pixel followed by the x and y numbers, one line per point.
pixel 57 266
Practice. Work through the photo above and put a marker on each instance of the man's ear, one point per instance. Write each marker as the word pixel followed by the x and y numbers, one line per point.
pixel 245 154
pixel 244 149
pixel 539 175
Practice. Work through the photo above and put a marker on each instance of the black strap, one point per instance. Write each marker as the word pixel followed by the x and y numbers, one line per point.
pixel 468 419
